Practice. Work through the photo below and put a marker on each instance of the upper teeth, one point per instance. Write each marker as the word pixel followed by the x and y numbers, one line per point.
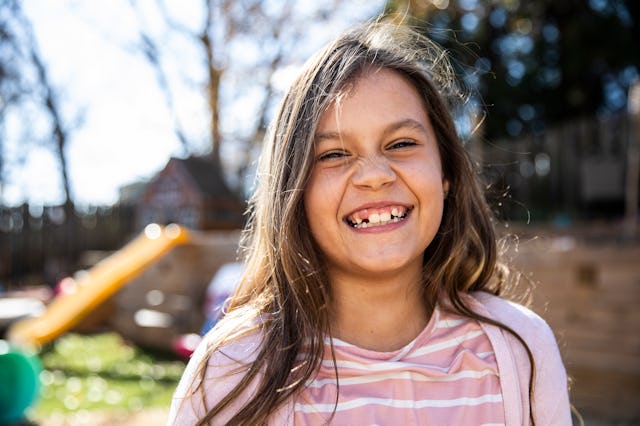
pixel 377 217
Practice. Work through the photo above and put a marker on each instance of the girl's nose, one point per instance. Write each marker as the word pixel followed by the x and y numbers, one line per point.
pixel 373 173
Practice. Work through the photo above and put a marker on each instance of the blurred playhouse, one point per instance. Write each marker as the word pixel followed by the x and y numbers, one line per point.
pixel 166 299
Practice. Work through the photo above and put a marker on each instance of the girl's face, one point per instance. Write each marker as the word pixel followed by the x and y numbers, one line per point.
pixel 374 201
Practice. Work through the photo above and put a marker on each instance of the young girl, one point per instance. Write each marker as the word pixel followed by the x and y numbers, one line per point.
pixel 370 287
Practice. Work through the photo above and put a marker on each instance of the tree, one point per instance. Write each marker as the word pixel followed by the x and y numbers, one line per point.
pixel 11 81
pixel 24 83
pixel 243 46
pixel 540 62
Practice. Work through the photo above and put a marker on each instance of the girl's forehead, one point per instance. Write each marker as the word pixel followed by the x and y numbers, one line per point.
pixel 376 76
pixel 377 87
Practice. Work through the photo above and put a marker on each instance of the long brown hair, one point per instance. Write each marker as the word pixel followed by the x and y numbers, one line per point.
pixel 284 294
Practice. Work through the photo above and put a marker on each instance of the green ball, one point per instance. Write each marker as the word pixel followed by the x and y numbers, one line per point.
pixel 19 382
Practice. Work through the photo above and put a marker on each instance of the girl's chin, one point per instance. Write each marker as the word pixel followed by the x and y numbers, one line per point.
pixel 382 267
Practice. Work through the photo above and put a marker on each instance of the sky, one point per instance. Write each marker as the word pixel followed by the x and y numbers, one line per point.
pixel 121 130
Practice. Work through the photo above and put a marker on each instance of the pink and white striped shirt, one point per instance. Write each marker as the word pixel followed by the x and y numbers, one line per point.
pixel 447 375
pixel 456 371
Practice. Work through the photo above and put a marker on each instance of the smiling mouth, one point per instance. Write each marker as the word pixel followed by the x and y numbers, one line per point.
pixel 369 218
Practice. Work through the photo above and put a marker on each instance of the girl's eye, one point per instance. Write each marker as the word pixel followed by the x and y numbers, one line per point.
pixel 331 155
pixel 402 144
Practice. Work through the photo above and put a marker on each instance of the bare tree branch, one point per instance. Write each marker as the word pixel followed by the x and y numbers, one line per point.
pixel 50 99
pixel 150 50
pixel 272 32
pixel 213 84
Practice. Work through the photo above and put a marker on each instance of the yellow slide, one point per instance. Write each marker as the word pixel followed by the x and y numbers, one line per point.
pixel 101 281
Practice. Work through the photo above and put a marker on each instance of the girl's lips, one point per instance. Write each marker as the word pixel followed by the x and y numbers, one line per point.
pixel 372 216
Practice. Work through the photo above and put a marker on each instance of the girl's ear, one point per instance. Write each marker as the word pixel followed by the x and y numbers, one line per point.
pixel 445 187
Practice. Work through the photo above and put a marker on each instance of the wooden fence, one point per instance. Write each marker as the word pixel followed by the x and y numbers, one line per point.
pixel 39 245
pixel 576 170
pixel 587 286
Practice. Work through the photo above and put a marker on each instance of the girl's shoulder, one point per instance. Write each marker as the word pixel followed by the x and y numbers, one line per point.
pixel 237 351
pixel 213 371
pixel 522 319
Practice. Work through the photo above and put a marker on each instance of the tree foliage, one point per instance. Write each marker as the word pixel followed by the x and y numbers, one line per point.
pixel 538 62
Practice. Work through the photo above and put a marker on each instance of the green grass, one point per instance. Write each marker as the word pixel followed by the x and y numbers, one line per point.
pixel 103 373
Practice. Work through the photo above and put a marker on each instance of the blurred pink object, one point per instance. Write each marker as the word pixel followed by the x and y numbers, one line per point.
pixel 186 344
pixel 66 285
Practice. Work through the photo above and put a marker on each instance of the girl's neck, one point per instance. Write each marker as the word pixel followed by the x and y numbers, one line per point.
pixel 378 314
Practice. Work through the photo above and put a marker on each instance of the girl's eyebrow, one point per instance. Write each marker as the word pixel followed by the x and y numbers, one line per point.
pixel 409 124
